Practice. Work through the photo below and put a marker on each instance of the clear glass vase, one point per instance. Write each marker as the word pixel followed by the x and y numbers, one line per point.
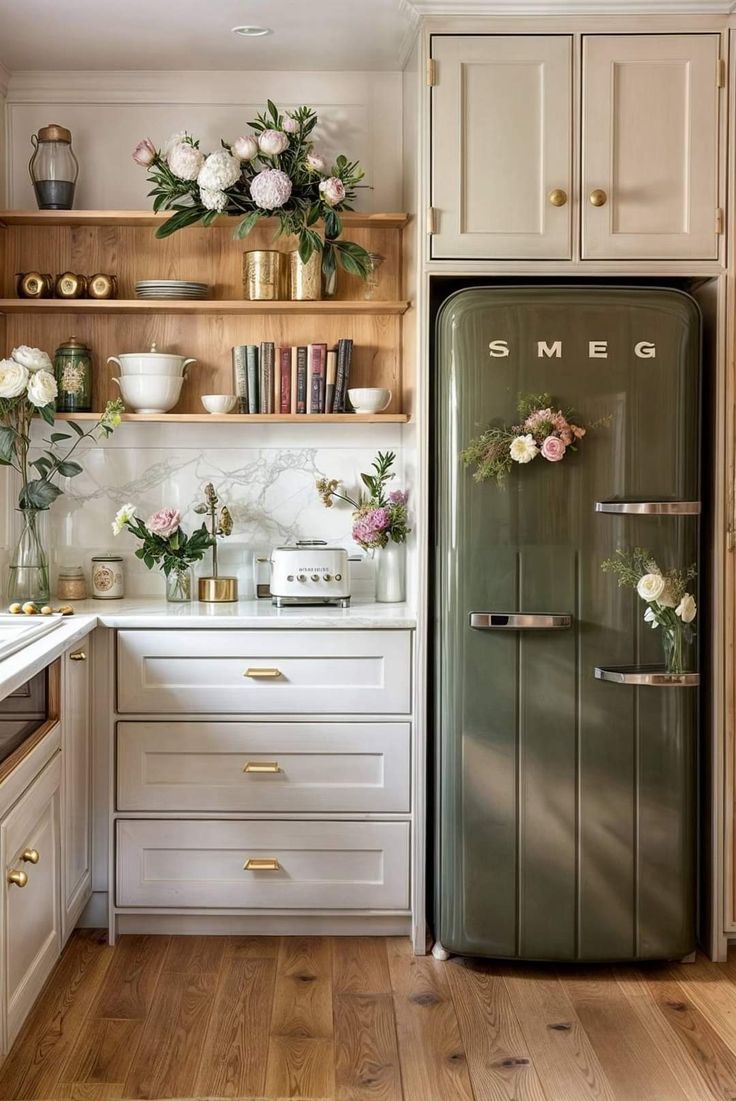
pixel 28 572
pixel 673 642
pixel 391 573
pixel 179 586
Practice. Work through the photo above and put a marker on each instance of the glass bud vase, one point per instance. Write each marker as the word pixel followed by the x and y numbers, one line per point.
pixel 673 643
pixel 28 572
pixel 391 573
pixel 179 586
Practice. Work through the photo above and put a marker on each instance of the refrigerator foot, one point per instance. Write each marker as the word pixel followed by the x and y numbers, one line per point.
pixel 688 959
pixel 439 952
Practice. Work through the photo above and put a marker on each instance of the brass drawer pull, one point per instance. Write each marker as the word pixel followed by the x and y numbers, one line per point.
pixel 31 856
pixel 261 864
pixel 261 766
pixel 20 879
pixel 78 655
pixel 262 674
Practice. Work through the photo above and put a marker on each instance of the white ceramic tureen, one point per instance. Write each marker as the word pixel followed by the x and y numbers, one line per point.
pixel 152 363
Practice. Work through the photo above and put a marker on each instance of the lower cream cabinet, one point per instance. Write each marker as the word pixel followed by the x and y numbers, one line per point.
pixel 31 928
pixel 76 845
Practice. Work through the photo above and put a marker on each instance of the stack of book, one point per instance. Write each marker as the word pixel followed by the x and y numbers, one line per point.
pixel 307 379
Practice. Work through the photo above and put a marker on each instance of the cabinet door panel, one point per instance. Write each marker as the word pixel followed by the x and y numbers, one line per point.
pixel 501 142
pixel 650 142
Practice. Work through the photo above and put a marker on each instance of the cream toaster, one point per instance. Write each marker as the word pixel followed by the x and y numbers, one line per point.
pixel 310 573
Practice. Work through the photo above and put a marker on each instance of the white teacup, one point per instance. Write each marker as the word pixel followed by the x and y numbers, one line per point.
pixel 369 399
pixel 218 403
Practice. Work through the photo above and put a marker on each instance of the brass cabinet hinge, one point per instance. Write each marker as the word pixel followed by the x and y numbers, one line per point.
pixel 719 219
pixel 431 72
pixel 431 219
pixel 721 73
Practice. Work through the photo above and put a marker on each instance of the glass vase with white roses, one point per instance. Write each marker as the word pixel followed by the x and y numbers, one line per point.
pixel 28 389
pixel 670 606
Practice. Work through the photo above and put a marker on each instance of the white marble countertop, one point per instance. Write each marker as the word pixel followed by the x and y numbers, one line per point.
pixel 150 613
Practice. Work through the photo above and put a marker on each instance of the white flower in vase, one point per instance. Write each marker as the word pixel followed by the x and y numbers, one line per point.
pixel 245 148
pixel 687 609
pixel 273 142
pixel 270 189
pixel 123 516
pixel 13 378
pixel 651 587
pixel 42 389
pixel 185 161
pixel 332 190
pixel 33 359
pixel 219 171
pixel 651 618
pixel 213 199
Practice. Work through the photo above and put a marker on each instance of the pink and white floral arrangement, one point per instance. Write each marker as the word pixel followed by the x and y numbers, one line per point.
pixel 164 543
pixel 381 516
pixel 542 430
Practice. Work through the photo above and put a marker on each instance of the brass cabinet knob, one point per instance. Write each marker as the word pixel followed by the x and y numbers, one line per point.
pixel 261 767
pixel 20 879
pixel 598 197
pixel 261 864
pixel 558 197
pixel 31 856
pixel 78 655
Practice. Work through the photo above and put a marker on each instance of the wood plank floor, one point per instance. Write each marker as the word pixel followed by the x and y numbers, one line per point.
pixel 361 1019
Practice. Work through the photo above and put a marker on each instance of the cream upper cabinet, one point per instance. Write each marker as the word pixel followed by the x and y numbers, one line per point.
pixel 650 146
pixel 502 146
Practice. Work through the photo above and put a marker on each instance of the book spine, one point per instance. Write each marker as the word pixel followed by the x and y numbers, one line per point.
pixel 240 377
pixel 251 356
pixel 301 380
pixel 338 405
pixel 330 376
pixel 293 380
pixel 317 375
pixel 310 378
pixel 276 407
pixel 285 380
pixel 267 357
pixel 322 359
pixel 348 353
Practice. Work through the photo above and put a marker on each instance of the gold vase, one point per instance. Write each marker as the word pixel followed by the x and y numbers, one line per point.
pixel 305 280
pixel 262 278
pixel 218 590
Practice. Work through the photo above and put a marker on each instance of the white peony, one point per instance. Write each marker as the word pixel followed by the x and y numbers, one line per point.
pixel 122 516
pixel 270 189
pixel 213 199
pixel 290 125
pixel 272 142
pixel 13 378
pixel 175 139
pixel 316 163
pixel 687 609
pixel 651 586
pixel 332 190
pixel 42 389
pixel 185 161
pixel 220 170
pixel 33 359
pixel 523 449
pixel 650 617
pixel 245 148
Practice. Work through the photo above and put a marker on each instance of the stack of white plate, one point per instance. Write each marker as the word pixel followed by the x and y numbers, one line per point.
pixel 170 288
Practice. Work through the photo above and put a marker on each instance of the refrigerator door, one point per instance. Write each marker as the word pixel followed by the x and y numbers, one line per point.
pixel 566 804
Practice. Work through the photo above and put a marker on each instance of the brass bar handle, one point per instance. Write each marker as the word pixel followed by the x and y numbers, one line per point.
pixel 598 197
pixel 30 856
pixel 557 197
pixel 261 864
pixel 17 878
pixel 78 655
pixel 262 674
pixel 261 767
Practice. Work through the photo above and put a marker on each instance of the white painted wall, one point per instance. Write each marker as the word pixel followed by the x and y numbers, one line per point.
pixel 108 113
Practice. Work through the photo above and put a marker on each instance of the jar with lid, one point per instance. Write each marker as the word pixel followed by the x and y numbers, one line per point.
pixel 53 168
pixel 71 584
pixel 73 370
pixel 108 577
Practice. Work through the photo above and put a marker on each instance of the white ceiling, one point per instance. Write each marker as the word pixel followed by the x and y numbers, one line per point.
pixel 195 34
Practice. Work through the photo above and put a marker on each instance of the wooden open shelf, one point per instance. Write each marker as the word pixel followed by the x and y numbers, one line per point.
pixel 142 218
pixel 71 306
pixel 245 418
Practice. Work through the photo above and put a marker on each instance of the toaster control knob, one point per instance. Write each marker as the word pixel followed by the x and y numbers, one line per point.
pixel 338 577
pixel 327 577
pixel 290 577
pixel 315 577
pixel 300 577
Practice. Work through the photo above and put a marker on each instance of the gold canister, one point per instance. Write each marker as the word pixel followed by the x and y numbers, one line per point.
pixel 33 284
pixel 69 285
pixel 262 275
pixel 102 286
pixel 218 590
pixel 305 280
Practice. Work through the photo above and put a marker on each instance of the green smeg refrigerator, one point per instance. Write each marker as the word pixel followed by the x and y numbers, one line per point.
pixel 566 758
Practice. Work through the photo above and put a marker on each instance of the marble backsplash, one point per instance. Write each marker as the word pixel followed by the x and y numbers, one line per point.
pixel 268 484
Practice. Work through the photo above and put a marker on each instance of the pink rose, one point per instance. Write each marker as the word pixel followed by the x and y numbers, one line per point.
pixel 332 190
pixel 144 153
pixel 165 522
pixel 553 449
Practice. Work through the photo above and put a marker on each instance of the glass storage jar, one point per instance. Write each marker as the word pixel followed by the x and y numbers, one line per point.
pixel 53 168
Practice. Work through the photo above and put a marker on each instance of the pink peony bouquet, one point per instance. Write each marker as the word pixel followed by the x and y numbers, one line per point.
pixel 163 540
pixel 543 430
pixel 380 516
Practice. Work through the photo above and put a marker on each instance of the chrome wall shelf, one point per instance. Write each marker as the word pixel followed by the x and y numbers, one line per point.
pixel 650 508
pixel 652 675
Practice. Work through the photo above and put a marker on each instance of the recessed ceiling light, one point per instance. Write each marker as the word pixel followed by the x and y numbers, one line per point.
pixel 252 32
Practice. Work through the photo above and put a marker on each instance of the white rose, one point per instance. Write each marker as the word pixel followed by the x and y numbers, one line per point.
pixel 220 170
pixel 122 516
pixel 33 359
pixel 651 586
pixel 245 148
pixel 332 190
pixel 185 161
pixel 42 389
pixel 272 142
pixel 687 609
pixel 13 378
pixel 523 449
pixel 213 199
pixel 316 163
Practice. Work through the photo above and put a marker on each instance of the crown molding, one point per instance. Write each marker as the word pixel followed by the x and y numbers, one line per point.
pixel 571 7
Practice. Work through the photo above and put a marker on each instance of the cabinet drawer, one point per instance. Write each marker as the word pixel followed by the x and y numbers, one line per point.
pixel 325 865
pixel 291 672
pixel 268 766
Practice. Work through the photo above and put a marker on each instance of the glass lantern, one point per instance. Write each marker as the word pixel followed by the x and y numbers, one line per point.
pixel 53 168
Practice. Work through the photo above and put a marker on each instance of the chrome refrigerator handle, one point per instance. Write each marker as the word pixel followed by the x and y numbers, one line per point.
pixel 519 621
